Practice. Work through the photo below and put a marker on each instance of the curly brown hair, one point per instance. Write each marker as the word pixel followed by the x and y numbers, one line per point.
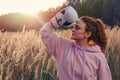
pixel 96 26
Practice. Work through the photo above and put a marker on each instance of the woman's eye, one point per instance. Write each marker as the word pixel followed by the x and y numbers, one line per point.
pixel 77 27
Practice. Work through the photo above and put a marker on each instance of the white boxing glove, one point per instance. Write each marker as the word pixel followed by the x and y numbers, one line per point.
pixel 64 18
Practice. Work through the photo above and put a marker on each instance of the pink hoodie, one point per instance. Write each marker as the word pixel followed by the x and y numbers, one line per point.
pixel 75 62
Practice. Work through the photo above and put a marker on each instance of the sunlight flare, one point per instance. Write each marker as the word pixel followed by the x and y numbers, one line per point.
pixel 27 6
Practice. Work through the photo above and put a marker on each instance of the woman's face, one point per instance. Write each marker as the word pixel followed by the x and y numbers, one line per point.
pixel 78 30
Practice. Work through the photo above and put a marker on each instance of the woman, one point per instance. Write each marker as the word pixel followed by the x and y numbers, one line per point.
pixel 81 58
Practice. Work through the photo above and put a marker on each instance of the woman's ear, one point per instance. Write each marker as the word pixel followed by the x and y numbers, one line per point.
pixel 88 34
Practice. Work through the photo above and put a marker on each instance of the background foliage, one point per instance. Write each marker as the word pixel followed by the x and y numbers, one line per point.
pixel 107 10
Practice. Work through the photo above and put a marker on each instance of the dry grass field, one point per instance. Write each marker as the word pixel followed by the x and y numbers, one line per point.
pixel 23 56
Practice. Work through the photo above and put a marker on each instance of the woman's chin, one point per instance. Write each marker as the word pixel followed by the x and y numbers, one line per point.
pixel 73 38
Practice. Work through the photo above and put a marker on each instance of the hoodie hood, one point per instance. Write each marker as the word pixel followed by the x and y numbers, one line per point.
pixel 91 49
pixel 94 49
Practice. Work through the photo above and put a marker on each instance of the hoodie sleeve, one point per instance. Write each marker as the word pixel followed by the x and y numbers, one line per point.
pixel 104 72
pixel 54 43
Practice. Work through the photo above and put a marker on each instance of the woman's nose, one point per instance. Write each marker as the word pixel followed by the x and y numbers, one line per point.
pixel 73 29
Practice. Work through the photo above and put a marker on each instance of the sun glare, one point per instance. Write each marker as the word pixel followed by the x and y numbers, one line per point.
pixel 27 6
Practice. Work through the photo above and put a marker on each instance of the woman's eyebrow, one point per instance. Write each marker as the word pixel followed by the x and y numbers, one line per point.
pixel 77 21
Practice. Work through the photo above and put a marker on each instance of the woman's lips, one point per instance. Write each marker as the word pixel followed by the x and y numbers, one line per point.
pixel 73 33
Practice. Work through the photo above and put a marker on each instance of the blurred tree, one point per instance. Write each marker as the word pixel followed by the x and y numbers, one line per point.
pixel 107 10
pixel 114 11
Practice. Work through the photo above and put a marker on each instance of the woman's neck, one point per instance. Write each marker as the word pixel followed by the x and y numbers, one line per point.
pixel 82 43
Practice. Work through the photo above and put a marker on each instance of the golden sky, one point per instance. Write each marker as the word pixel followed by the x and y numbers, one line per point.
pixel 27 6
